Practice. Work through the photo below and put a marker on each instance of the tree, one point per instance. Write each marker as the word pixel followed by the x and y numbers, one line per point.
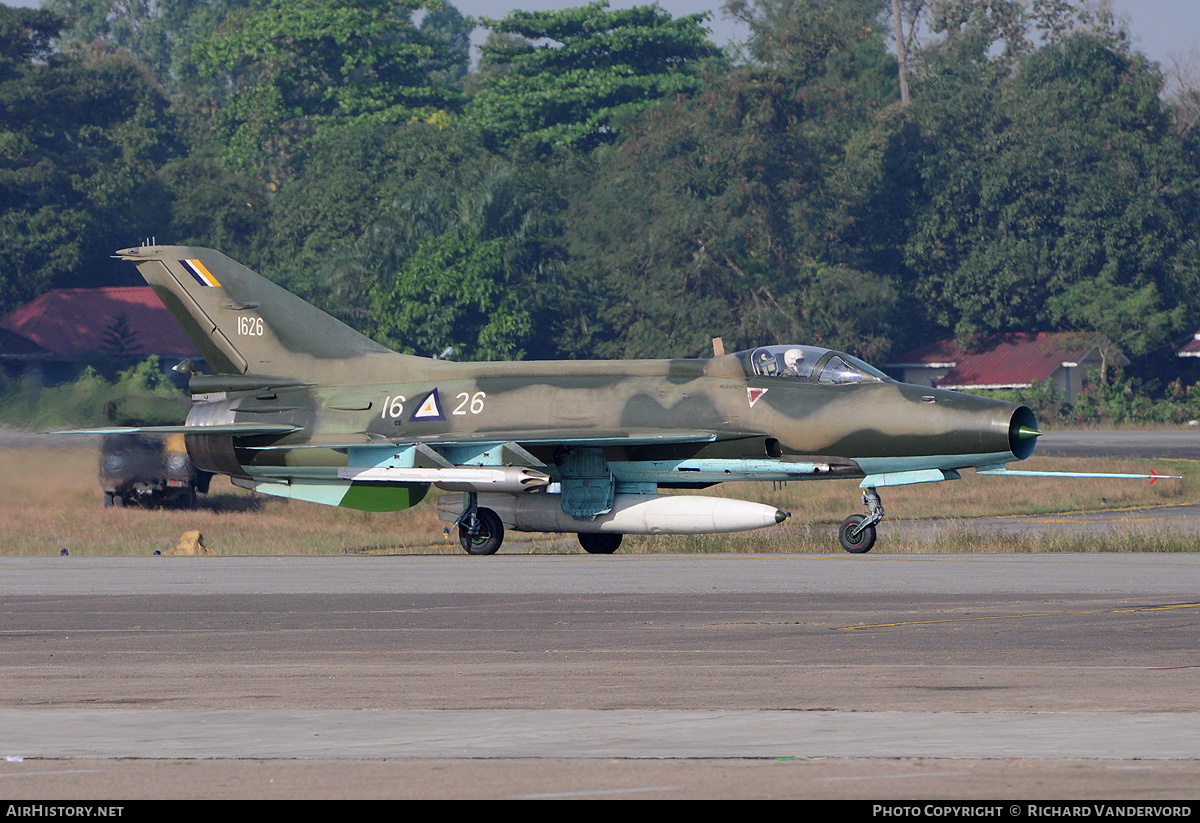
pixel 901 52
pixel 138 27
pixel 471 261
pixel 120 339
pixel 297 68
pixel 1182 90
pixel 571 77
pixel 372 204
pixel 78 141
pixel 158 35
pixel 796 38
pixel 26 38
pixel 451 292
pixel 972 30
pixel 984 22
pixel 360 205
pixel 723 213
pixel 1058 200
pixel 202 203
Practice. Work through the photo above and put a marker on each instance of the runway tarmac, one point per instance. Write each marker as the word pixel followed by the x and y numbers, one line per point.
pixel 1178 518
pixel 880 676
pixel 875 677
pixel 1177 444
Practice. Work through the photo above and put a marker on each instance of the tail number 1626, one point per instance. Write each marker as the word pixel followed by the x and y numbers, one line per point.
pixel 250 326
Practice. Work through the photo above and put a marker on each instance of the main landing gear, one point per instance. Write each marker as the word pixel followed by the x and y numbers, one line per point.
pixel 857 532
pixel 479 530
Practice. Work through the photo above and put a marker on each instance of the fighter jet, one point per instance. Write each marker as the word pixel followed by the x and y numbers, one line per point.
pixel 302 406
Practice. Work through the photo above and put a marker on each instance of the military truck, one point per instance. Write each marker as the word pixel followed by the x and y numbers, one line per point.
pixel 149 471
pixel 145 469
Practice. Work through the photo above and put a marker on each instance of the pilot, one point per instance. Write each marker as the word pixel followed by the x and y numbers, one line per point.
pixel 793 359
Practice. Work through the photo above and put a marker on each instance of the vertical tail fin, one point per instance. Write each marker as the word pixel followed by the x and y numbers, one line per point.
pixel 240 321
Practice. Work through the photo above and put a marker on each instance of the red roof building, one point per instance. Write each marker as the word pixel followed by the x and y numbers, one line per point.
pixel 1191 348
pixel 52 337
pixel 15 347
pixel 116 321
pixel 1009 361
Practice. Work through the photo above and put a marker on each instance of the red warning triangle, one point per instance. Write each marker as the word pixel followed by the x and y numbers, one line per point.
pixel 754 394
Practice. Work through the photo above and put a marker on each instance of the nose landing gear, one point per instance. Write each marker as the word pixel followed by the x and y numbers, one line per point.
pixel 857 532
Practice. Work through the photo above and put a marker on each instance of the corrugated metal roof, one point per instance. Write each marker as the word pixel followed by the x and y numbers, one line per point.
pixel 77 323
pixel 1015 359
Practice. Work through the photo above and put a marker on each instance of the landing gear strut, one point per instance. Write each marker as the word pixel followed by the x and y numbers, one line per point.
pixel 479 530
pixel 857 532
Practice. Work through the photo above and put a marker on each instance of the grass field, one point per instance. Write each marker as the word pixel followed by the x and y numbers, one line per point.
pixel 50 499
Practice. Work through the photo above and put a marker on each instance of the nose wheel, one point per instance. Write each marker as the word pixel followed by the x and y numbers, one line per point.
pixel 857 532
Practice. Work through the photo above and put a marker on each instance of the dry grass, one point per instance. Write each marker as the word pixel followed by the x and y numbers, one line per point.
pixel 983 496
pixel 51 500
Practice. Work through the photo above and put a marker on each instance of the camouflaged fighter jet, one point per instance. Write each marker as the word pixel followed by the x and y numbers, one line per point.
pixel 304 407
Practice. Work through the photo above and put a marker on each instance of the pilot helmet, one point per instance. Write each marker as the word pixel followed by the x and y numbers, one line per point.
pixel 792 358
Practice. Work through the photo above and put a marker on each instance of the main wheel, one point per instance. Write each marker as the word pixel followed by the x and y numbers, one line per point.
pixel 488 537
pixel 860 543
pixel 600 542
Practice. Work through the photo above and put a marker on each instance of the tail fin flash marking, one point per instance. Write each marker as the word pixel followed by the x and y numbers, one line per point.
pixel 197 269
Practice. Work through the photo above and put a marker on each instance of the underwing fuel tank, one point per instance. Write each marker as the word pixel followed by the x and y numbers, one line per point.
pixel 631 514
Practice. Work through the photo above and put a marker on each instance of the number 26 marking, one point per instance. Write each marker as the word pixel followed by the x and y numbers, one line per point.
pixel 475 401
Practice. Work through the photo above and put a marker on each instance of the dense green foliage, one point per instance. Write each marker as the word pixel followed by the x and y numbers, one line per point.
pixel 450 291
pixel 568 78
pixel 296 68
pixel 1121 399
pixel 721 212
pixel 1074 211
pixel 138 395
pixel 74 139
pixel 609 184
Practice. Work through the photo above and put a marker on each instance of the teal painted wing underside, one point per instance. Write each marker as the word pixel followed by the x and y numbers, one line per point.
pixel 1004 471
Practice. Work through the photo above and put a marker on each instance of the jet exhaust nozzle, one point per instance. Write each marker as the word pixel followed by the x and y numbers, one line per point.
pixel 1022 432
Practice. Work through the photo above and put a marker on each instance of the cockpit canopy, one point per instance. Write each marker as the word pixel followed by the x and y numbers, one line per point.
pixel 809 363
